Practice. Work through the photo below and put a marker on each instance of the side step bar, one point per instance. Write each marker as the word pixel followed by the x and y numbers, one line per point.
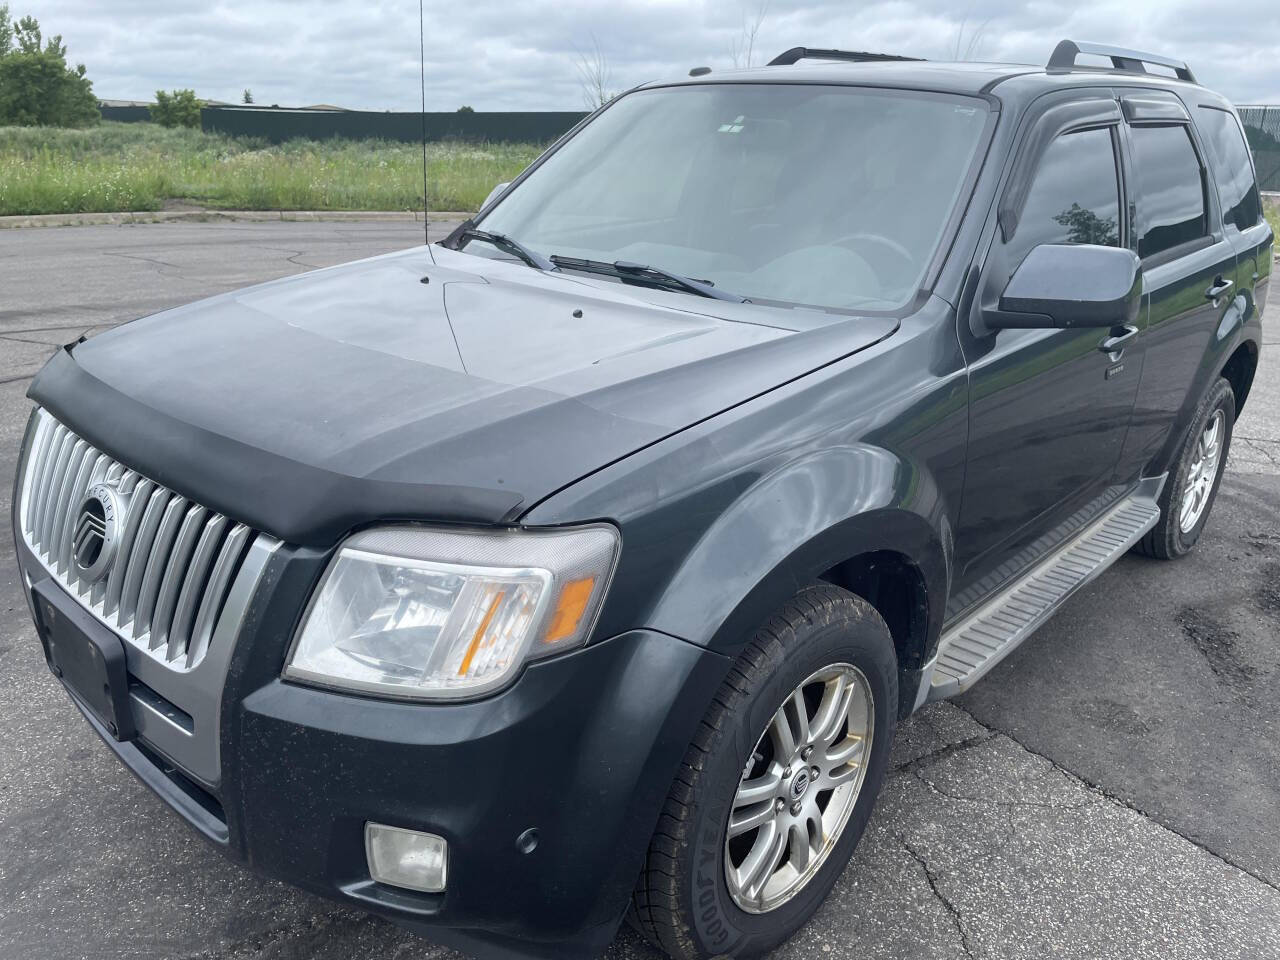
pixel 981 639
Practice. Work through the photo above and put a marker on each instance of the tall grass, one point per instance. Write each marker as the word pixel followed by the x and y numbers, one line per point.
pixel 140 166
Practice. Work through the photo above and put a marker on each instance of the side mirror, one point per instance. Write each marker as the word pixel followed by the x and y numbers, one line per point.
pixel 1070 285
pixel 493 193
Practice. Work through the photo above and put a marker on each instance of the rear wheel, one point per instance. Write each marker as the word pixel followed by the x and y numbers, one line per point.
pixel 777 787
pixel 1192 487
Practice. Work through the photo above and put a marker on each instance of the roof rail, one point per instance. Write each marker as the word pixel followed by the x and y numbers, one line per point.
pixel 1125 61
pixel 796 54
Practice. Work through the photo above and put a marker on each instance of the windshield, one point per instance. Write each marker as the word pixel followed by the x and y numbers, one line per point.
pixel 834 197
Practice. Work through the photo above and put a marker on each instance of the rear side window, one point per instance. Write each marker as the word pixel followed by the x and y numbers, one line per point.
pixel 1232 171
pixel 1074 197
pixel 1171 207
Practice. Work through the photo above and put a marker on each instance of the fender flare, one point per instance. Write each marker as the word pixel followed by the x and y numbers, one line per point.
pixel 796 523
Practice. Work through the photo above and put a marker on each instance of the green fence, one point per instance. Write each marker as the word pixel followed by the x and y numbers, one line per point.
pixel 280 125
pixel 1262 127
pixel 125 114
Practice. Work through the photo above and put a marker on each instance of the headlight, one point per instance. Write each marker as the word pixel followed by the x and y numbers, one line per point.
pixel 441 614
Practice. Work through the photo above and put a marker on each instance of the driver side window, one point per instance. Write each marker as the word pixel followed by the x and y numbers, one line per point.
pixel 1075 196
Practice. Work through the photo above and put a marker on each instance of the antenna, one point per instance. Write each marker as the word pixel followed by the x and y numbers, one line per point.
pixel 422 60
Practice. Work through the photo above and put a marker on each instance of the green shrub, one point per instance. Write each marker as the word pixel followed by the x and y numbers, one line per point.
pixel 37 88
pixel 177 109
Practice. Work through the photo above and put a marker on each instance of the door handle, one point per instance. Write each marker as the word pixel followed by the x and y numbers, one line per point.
pixel 1115 343
pixel 1219 287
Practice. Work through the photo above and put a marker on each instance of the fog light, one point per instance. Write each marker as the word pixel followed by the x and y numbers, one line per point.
pixel 406 858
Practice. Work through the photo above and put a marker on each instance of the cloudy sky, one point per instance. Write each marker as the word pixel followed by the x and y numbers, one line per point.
pixel 524 56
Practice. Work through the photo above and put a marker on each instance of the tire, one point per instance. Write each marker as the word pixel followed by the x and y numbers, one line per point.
pixel 684 903
pixel 1172 537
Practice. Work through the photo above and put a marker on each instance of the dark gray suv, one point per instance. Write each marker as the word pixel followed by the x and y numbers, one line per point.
pixel 583 564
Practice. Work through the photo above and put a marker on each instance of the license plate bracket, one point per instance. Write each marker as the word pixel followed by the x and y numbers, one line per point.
pixel 88 658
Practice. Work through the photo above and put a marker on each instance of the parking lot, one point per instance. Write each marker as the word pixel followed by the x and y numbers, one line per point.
pixel 1111 790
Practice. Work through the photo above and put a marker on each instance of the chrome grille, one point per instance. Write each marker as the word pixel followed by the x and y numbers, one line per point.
pixel 174 560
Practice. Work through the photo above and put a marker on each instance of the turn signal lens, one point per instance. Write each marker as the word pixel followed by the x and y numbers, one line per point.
pixel 574 597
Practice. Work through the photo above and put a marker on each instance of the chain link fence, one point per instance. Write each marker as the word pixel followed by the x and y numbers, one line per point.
pixel 1262 127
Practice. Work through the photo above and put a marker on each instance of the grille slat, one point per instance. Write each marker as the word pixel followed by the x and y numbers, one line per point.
pixel 71 453
pixel 141 493
pixel 157 563
pixel 165 587
pixel 175 572
pixel 215 594
pixel 184 613
pixel 47 439
pixel 152 514
pixel 52 451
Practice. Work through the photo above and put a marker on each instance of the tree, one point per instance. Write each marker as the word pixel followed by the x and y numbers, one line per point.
pixel 743 49
pixel 1085 226
pixel 37 88
pixel 595 76
pixel 466 110
pixel 177 109
pixel 968 39
pixel 248 96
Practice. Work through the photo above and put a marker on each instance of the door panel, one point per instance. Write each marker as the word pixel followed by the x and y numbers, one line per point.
pixel 1190 279
pixel 1048 410
pixel 1231 164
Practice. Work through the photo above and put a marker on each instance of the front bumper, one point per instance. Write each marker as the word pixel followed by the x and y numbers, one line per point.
pixel 582 748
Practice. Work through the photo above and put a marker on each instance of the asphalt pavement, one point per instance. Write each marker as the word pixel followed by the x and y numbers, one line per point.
pixel 1110 790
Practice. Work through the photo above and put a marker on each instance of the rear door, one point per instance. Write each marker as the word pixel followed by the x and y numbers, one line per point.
pixel 1188 263
pixel 1231 164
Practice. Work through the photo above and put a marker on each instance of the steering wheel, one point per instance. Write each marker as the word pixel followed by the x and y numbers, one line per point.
pixel 897 250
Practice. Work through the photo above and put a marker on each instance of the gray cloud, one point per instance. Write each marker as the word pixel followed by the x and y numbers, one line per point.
pixel 515 56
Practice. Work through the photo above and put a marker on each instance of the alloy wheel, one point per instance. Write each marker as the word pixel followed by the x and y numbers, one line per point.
pixel 799 787
pixel 1202 473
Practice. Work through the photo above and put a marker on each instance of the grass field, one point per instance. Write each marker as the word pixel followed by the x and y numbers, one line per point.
pixel 1272 207
pixel 141 166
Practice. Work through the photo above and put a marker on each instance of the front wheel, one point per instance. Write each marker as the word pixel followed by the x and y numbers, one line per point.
pixel 1189 493
pixel 776 789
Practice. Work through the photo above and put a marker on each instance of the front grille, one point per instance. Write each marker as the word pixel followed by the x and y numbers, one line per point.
pixel 174 561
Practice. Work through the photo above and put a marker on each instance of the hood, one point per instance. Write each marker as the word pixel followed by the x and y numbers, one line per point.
pixel 459 388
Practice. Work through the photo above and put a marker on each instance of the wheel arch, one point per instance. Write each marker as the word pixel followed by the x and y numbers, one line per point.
pixel 1239 371
pixel 896 586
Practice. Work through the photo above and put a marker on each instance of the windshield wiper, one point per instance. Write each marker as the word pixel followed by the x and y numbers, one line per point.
pixel 505 243
pixel 643 273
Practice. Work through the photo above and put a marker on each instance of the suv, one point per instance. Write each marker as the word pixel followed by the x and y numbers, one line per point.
pixel 583 564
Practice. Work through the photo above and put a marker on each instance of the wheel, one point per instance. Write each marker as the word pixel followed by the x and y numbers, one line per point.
pixel 1189 493
pixel 777 787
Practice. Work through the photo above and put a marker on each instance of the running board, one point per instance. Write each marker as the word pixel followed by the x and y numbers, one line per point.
pixel 981 639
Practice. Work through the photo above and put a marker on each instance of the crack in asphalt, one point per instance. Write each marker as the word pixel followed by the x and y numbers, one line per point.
pixel 936 756
pixel 41 343
pixel 932 879
pixel 1006 805
pixel 69 326
pixel 1128 805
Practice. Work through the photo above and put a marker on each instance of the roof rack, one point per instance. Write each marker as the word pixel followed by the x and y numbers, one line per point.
pixel 796 54
pixel 1122 60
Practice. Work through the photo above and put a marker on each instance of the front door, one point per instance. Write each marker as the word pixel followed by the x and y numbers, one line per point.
pixel 1048 409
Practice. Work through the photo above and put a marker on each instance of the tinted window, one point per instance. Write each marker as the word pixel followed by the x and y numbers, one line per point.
pixel 1229 156
pixel 1171 207
pixel 1074 198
